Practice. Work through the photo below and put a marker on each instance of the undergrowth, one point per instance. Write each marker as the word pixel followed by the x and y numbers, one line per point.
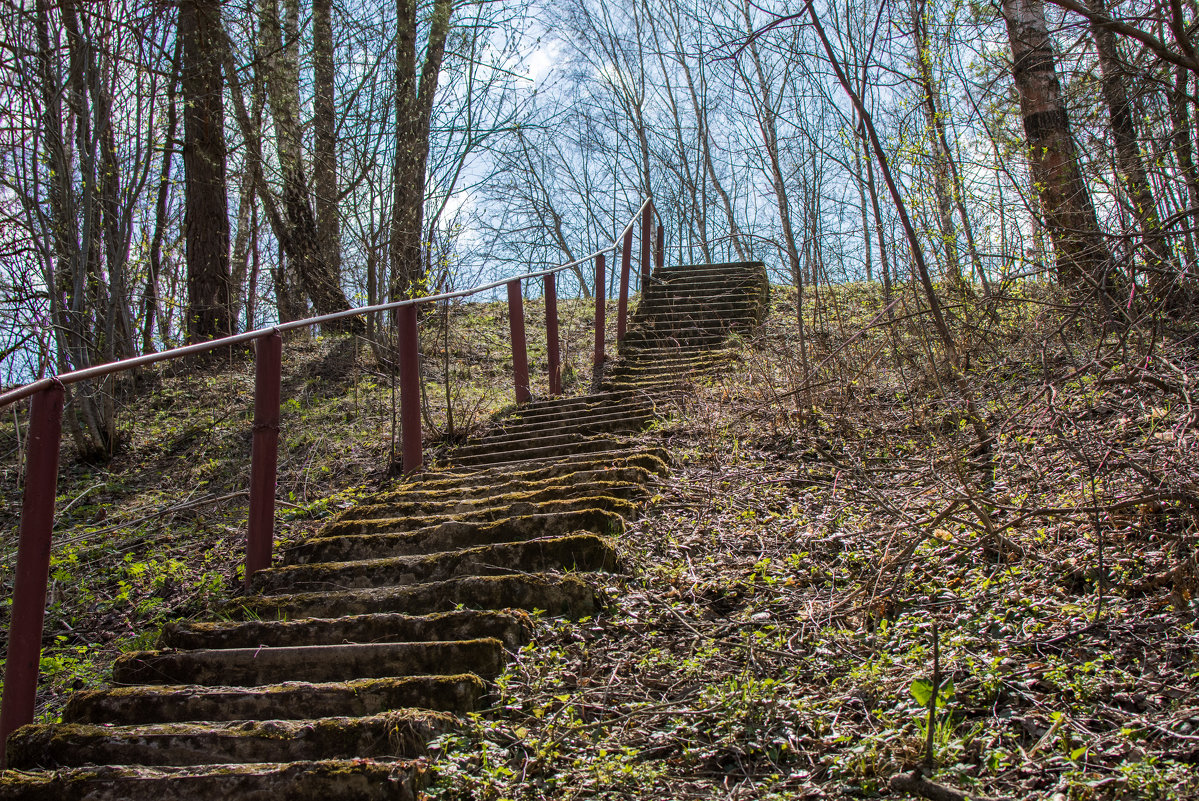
pixel 775 636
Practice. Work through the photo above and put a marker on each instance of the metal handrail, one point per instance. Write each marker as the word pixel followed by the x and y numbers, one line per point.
pixel 121 365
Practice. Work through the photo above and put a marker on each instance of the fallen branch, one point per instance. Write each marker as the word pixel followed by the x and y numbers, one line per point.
pixel 916 784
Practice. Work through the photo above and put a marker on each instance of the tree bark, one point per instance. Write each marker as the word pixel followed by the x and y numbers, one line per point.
pixel 1081 254
pixel 206 217
pixel 280 34
pixel 324 130
pixel 414 111
pixel 1128 154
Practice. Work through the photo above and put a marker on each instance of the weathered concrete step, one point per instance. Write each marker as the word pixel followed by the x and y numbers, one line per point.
pixel 715 319
pixel 565 596
pixel 683 283
pixel 652 353
pixel 569 411
pixel 602 421
pixel 658 339
pixel 327 780
pixel 397 734
pixel 456 694
pixel 448 504
pixel 487 514
pixel 510 628
pixel 529 454
pixel 455 534
pixel 472 479
pixel 582 426
pixel 586 552
pixel 483 484
pixel 250 667
pixel 748 268
pixel 699 292
pixel 714 308
pixel 702 360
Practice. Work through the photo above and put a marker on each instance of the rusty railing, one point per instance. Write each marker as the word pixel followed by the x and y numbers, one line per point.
pixel 45 429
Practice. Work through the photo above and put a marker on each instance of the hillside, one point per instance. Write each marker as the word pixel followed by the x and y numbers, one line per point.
pixel 775 629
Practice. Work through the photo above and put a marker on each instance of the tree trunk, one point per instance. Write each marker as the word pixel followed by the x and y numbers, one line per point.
pixel 1082 255
pixel 1128 155
pixel 414 110
pixel 279 35
pixel 206 216
pixel 324 130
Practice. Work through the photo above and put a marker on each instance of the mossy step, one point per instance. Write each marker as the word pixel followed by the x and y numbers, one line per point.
pixel 326 780
pixel 565 596
pixel 697 361
pixel 455 534
pixel 675 339
pixel 486 514
pixel 447 504
pixel 618 420
pixel 438 484
pixel 511 628
pixel 538 453
pixel 649 457
pixel 683 283
pixel 567 405
pixel 585 552
pixel 547 439
pixel 396 734
pixel 250 667
pixel 569 458
pixel 456 694
pixel 608 401
pixel 720 268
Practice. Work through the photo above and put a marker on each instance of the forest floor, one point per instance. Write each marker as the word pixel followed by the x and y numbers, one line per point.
pixel 814 548
pixel 823 534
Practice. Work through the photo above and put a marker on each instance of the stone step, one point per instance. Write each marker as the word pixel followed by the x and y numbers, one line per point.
pixel 487 514
pixel 658 339
pixel 539 453
pixel 327 780
pixel 650 457
pixel 632 469
pixel 586 552
pixel 537 434
pixel 614 402
pixel 510 628
pixel 455 693
pixel 452 505
pixel 451 535
pixel 396 734
pixel 565 596
pixel 608 422
pixel 249 667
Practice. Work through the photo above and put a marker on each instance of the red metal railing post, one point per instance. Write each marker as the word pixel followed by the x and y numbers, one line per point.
pixel 622 305
pixel 551 334
pixel 33 563
pixel 601 299
pixel 660 248
pixel 410 425
pixel 647 228
pixel 264 455
pixel 520 355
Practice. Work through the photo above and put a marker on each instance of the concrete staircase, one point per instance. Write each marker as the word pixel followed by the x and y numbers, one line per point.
pixel 329 678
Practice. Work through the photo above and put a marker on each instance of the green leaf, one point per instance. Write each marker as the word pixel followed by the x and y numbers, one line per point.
pixel 1078 753
pixel 922 691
